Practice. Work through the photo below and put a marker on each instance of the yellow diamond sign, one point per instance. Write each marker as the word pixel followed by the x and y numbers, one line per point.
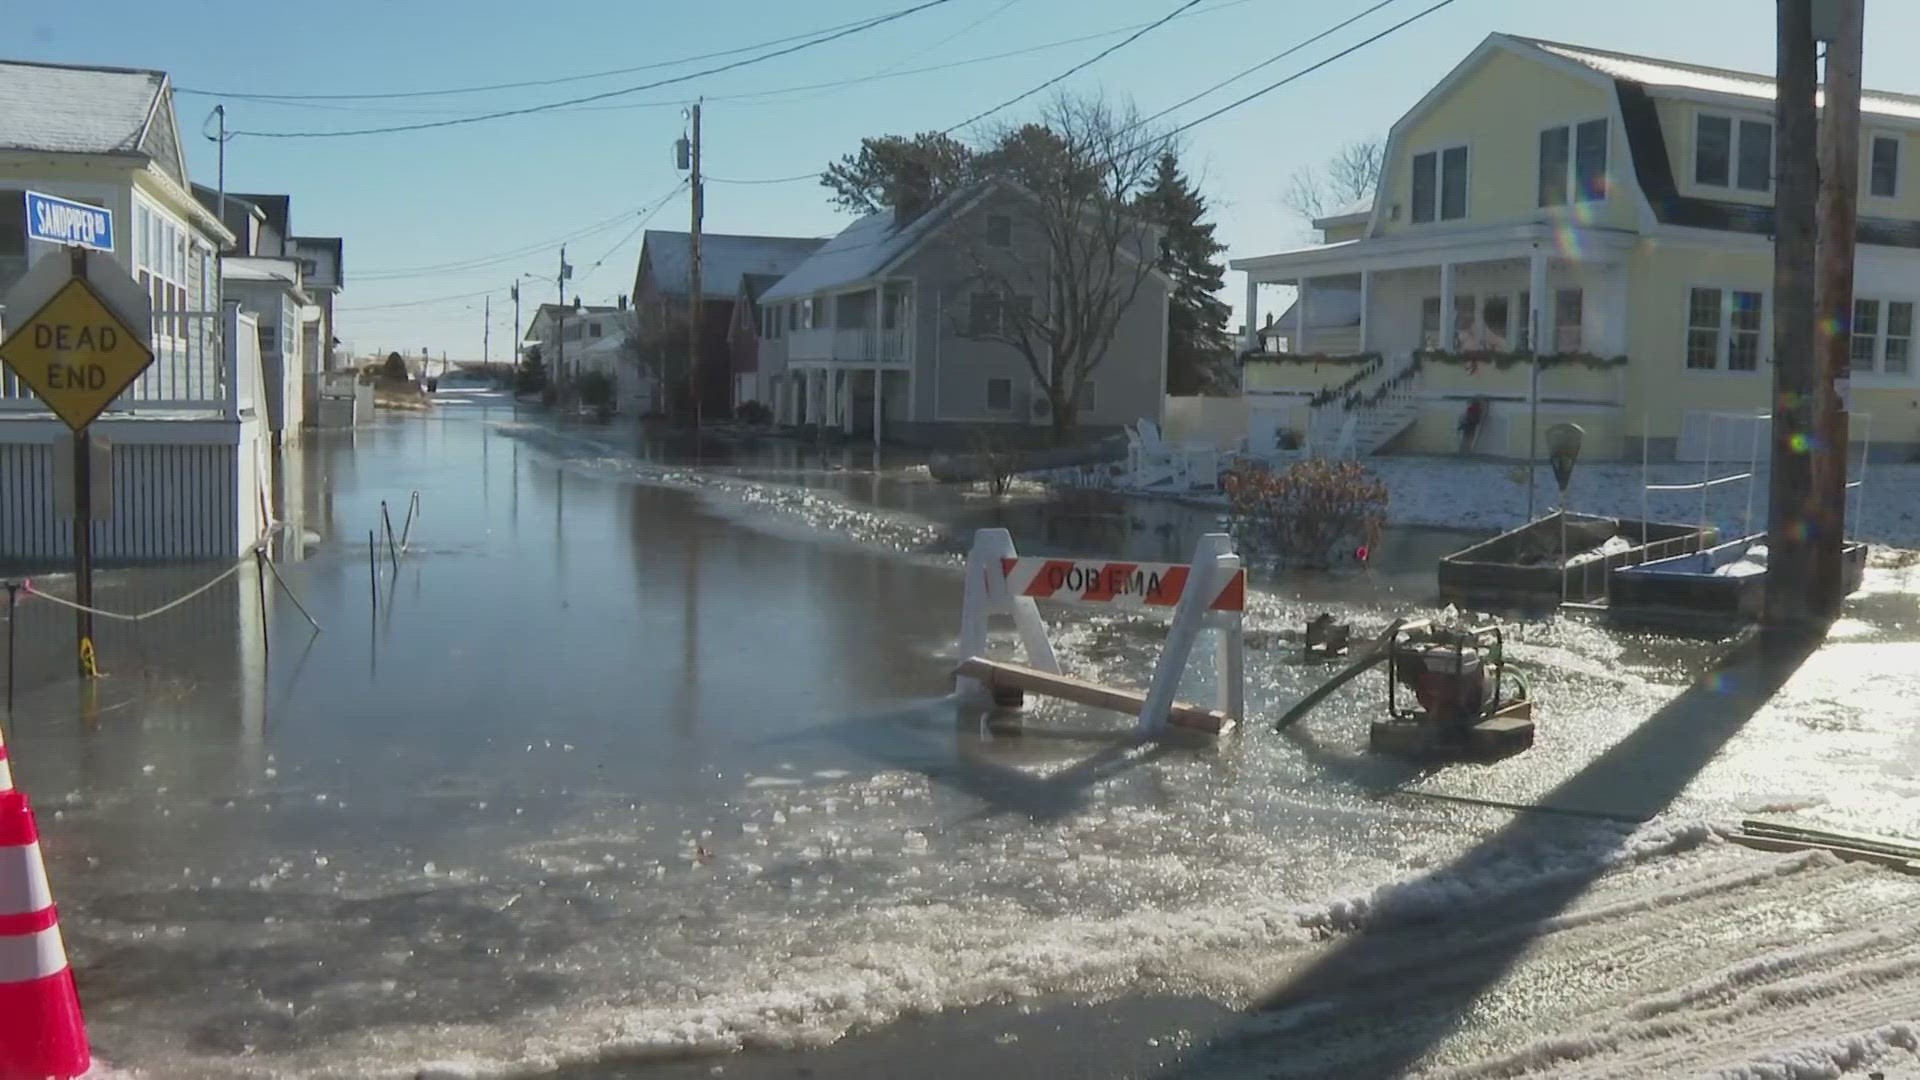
pixel 76 354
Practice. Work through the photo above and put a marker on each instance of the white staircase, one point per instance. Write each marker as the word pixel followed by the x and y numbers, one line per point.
pixel 1333 430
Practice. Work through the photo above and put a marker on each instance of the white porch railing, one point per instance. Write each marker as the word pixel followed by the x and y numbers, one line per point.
pixel 199 364
pixel 864 345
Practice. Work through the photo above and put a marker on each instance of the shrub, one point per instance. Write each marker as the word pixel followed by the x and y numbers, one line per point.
pixel 998 462
pixel 753 412
pixel 1313 513
pixel 596 393
pixel 532 376
pixel 395 368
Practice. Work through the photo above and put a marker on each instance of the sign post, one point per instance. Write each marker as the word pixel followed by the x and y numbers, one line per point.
pixel 1563 450
pixel 78 353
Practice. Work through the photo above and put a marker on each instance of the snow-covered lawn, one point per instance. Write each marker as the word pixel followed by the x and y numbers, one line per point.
pixel 1489 494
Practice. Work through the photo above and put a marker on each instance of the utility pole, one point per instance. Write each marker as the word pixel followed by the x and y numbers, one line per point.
pixel 1796 194
pixel 1833 292
pixel 516 328
pixel 486 332
pixel 694 294
pixel 559 319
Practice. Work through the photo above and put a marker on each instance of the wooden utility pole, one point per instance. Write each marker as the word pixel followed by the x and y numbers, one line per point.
pixel 1833 295
pixel 694 294
pixel 1790 485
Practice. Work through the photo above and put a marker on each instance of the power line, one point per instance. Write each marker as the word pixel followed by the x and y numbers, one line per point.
pixel 549 106
pixel 1303 72
pixel 397 94
pixel 421 303
pixel 637 226
pixel 748 95
pixel 1082 66
pixel 1269 61
pixel 477 261
pixel 769 180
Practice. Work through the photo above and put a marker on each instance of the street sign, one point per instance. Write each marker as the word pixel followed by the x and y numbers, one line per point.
pixel 68 223
pixel 1563 449
pixel 76 353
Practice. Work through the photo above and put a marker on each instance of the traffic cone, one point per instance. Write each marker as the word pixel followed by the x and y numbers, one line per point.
pixel 42 1036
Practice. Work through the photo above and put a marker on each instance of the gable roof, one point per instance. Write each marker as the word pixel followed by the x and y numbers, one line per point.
pixel 756 285
pixel 266 271
pixel 1653 72
pixel 1357 210
pixel 69 109
pixel 1635 80
pixel 724 259
pixel 867 248
pixel 278 209
pixel 1327 309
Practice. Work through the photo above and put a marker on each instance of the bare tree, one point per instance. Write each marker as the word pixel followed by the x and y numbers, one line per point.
pixel 1078 251
pixel 655 345
pixel 1350 175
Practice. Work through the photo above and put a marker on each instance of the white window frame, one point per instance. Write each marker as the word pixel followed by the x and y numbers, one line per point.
pixel 1899 164
pixel 161 254
pixel 1878 373
pixel 1723 345
pixel 1439 184
pixel 1572 181
pixel 1735 122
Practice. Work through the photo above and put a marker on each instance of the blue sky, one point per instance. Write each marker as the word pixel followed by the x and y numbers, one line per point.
pixel 422 199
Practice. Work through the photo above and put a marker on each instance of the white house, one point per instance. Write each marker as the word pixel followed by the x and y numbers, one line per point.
pixel 188 436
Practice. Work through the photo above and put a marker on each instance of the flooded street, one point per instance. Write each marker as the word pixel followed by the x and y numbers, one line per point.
pixel 642 765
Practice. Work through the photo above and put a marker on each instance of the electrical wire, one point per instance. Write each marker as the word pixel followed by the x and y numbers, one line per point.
pixel 398 94
pixel 477 261
pixel 1269 61
pixel 1302 73
pixel 549 106
pixel 1082 66
pixel 422 303
pixel 637 226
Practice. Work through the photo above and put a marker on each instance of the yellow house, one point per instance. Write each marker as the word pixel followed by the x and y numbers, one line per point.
pixel 1621 205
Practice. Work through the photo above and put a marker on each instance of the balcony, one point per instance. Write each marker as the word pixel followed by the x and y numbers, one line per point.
pixel 864 345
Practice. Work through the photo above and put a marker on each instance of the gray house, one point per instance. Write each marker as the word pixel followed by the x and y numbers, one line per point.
pixel 884 331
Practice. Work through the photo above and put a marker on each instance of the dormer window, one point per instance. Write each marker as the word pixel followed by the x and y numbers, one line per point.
pixel 1733 153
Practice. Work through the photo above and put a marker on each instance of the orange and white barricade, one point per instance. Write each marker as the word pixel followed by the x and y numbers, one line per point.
pixel 1210 593
pixel 42 1035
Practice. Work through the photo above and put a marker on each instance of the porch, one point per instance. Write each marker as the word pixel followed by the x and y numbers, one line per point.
pixel 843 397
pixel 1474 303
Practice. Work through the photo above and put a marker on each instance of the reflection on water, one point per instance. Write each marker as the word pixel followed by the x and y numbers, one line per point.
pixel 611 765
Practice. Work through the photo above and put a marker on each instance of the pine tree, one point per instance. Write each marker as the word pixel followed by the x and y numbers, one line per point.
pixel 1197 340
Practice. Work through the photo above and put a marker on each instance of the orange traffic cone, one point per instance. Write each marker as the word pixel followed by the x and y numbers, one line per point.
pixel 42 1036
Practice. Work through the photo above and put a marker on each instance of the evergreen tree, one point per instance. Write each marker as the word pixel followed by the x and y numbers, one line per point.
pixel 1198 344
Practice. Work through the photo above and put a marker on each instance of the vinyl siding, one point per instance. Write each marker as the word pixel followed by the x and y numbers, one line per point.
pixel 1498 110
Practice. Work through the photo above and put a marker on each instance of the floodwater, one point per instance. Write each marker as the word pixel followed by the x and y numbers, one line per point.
pixel 640 764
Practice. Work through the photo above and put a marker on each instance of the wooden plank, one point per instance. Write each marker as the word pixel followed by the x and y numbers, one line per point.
pixel 1891 845
pixel 1851 854
pixel 1068 688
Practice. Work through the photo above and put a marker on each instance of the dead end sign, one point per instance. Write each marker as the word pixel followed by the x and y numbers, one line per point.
pixel 76 354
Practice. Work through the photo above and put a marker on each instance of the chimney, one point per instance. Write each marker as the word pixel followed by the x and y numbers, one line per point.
pixel 914 194
pixel 623 301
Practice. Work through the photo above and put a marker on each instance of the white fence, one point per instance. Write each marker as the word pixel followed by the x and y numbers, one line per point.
pixel 192 367
pixel 864 345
